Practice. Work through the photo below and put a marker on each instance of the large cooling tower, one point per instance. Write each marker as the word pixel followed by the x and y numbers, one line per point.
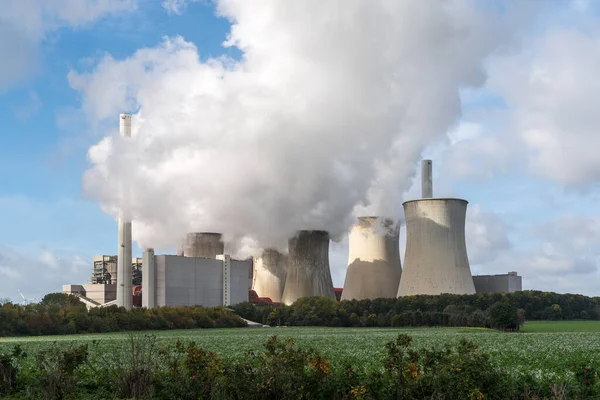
pixel 308 267
pixel 374 267
pixel 204 244
pixel 436 259
pixel 124 293
pixel 270 272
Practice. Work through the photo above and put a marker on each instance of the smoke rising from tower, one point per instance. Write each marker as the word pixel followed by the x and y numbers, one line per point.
pixel 328 110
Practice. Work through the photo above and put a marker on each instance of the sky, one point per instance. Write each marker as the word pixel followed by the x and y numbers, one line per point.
pixel 259 119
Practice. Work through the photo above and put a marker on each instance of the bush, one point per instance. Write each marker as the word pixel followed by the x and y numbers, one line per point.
pixel 504 316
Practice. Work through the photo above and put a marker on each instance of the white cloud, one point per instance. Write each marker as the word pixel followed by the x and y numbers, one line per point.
pixel 27 23
pixel 177 6
pixel 36 277
pixel 325 111
pixel 551 90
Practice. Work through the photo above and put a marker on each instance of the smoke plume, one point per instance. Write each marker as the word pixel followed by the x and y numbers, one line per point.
pixel 323 117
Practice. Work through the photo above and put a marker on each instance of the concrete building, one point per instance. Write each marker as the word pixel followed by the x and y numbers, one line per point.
pixel 374 267
pixel 203 244
pixel 308 267
pixel 187 281
pixel 99 293
pixel 270 273
pixel 436 258
pixel 124 285
pixel 503 283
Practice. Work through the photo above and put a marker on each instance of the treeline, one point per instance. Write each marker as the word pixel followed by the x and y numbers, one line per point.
pixel 61 314
pixel 281 371
pixel 443 310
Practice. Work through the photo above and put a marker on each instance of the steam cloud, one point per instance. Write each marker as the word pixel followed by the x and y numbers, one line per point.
pixel 323 118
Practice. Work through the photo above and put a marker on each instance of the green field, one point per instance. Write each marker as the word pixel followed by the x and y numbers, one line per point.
pixel 546 356
pixel 561 326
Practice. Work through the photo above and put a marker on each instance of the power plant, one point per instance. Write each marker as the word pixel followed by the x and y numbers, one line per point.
pixel 308 267
pixel 201 273
pixel 436 259
pixel 270 273
pixel 374 267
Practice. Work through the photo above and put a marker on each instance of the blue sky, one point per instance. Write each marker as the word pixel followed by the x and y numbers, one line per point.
pixel 530 179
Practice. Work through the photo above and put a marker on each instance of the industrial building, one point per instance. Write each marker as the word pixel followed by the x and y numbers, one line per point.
pixel 502 283
pixel 435 260
pixel 374 267
pixel 201 273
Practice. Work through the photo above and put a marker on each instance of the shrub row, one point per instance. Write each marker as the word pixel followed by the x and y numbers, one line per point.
pixel 59 314
pixel 282 371
pixel 424 310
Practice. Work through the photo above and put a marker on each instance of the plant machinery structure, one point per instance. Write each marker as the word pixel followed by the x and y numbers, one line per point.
pixel 270 272
pixel 374 267
pixel 436 258
pixel 308 266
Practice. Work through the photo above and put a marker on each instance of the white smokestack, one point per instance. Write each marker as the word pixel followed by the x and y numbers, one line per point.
pixel 124 253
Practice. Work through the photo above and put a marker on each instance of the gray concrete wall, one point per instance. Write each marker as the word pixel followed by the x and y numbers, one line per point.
pixel 187 281
pixel 270 272
pixel 436 258
pixel 497 283
pixel 148 279
pixel 239 280
pixel 374 267
pixel 308 267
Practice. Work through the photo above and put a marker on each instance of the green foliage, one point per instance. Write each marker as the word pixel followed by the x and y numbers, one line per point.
pixel 9 370
pixel 400 366
pixel 504 316
pixel 55 371
pixel 58 315
pixel 61 300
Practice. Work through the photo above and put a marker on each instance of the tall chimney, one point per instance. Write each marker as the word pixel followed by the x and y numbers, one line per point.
pixel 124 256
pixel 426 180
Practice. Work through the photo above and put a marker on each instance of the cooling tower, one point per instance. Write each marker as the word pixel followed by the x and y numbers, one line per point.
pixel 374 267
pixel 204 244
pixel 124 256
pixel 270 272
pixel 308 267
pixel 436 258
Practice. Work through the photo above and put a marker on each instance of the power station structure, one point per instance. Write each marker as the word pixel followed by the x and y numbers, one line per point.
pixel 374 267
pixel 308 266
pixel 124 279
pixel 201 273
pixel 270 273
pixel 435 260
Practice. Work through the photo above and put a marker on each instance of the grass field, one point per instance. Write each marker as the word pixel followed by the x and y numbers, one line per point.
pixel 546 355
pixel 561 326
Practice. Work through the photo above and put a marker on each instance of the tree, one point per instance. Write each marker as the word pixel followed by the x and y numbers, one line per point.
pixel 61 299
pixel 504 316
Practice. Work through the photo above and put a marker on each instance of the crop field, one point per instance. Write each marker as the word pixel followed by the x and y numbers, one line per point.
pixel 546 356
